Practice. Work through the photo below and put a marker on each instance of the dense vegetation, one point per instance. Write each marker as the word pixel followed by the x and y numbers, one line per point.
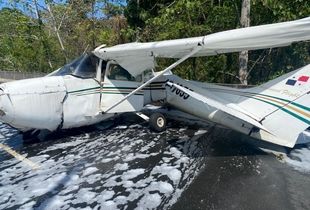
pixel 42 35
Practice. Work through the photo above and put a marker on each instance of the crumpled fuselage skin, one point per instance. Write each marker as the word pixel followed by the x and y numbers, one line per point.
pixel 49 103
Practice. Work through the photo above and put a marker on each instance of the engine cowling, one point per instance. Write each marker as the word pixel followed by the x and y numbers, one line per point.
pixel 33 103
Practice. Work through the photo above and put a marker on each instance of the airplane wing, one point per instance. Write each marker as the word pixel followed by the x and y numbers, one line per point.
pixel 137 57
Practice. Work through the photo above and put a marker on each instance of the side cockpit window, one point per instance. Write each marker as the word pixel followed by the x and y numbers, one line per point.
pixel 116 72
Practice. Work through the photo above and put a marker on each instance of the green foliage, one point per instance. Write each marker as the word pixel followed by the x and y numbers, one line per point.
pixel 20 42
pixel 280 10
pixel 186 18
pixel 279 60
pixel 34 43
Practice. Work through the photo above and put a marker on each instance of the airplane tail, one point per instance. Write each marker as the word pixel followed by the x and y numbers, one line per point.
pixel 282 106
pixel 277 111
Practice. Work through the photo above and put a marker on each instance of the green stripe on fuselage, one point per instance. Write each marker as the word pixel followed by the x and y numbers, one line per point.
pixel 113 88
pixel 285 110
pixel 288 101
pixel 83 94
pixel 76 91
pixel 241 93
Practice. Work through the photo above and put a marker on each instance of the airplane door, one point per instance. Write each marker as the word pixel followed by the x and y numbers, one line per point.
pixel 117 84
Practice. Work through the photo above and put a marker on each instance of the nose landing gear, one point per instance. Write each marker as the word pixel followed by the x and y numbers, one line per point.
pixel 30 136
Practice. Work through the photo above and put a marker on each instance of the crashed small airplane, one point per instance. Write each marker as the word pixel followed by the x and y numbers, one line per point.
pixel 113 80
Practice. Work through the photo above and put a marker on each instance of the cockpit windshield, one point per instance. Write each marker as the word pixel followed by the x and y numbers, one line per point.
pixel 84 66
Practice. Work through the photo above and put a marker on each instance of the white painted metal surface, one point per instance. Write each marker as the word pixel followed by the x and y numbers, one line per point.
pixel 114 91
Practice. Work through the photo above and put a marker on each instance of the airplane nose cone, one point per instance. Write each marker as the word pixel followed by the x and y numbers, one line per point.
pixel 6 108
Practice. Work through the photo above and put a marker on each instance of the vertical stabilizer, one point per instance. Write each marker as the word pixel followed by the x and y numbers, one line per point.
pixel 281 105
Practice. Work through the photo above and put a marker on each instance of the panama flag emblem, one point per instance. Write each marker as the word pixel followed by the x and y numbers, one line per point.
pixel 300 81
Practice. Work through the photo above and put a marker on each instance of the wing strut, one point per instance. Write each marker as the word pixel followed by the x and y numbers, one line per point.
pixel 194 51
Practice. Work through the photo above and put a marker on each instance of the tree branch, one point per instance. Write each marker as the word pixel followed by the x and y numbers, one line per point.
pixel 230 74
pixel 62 19
pixel 54 23
pixel 261 58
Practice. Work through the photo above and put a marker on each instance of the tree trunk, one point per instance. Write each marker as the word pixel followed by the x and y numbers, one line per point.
pixel 54 23
pixel 194 64
pixel 43 37
pixel 93 24
pixel 244 56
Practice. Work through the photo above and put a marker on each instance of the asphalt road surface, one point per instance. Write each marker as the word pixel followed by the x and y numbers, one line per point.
pixel 130 167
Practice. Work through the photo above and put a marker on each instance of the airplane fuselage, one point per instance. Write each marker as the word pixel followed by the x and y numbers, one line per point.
pixel 50 103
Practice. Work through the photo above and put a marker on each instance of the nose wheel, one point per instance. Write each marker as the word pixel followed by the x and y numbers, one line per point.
pixel 30 136
pixel 158 122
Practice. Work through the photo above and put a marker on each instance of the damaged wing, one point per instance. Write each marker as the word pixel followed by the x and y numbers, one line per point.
pixel 137 57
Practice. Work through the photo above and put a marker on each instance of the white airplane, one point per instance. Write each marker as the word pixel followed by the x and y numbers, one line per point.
pixel 113 80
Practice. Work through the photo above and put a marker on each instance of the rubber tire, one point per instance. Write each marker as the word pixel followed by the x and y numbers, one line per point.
pixel 30 136
pixel 158 122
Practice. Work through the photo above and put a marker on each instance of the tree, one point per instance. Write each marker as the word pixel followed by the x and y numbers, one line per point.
pixel 244 55
pixel 21 47
pixel 270 63
pixel 184 18
pixel 56 26
pixel 43 35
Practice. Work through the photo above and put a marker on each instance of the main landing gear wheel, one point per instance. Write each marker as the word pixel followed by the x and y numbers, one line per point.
pixel 158 122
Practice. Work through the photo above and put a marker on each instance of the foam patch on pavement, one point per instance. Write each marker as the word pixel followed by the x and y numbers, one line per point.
pixel 299 158
pixel 125 167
